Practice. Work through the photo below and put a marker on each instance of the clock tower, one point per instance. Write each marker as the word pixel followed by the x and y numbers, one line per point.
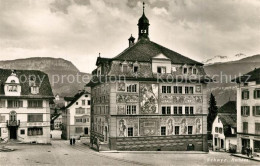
pixel 143 27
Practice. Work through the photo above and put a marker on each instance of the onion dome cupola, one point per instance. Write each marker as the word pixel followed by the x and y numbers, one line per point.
pixel 143 26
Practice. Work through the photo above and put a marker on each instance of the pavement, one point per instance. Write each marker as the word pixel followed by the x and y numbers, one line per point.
pixel 245 157
pixel 62 153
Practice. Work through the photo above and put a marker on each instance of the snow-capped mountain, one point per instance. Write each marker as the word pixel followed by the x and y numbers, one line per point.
pixel 221 59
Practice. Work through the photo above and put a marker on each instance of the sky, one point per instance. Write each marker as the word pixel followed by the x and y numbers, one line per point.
pixel 78 30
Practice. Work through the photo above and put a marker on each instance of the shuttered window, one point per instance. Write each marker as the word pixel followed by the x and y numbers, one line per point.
pixel 2 118
pixel 245 95
pixel 245 127
pixel 256 110
pixel 2 103
pixel 245 110
pixel 257 93
pixel 257 128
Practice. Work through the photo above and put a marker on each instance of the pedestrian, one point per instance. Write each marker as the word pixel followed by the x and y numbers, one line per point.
pixel 247 151
pixel 74 141
pixel 70 141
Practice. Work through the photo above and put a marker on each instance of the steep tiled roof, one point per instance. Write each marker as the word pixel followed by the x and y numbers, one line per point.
pixel 228 121
pixel 145 50
pixel 229 107
pixel 251 76
pixel 42 80
pixel 76 97
pixel 101 60
pixel 228 116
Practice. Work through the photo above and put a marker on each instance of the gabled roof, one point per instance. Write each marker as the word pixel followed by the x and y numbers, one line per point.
pixel 229 108
pixel 250 76
pixel 145 50
pixel 228 121
pixel 42 80
pixel 76 97
pixel 101 60
pixel 228 117
pixel 68 98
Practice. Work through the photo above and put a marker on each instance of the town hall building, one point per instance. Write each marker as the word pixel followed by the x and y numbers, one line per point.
pixel 149 97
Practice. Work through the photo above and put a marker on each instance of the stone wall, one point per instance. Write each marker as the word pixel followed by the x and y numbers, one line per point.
pixel 160 143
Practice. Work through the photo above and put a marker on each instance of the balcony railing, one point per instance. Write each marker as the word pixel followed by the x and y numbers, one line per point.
pixel 13 123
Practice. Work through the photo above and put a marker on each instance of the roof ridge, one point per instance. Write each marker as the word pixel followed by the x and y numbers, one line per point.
pixel 176 53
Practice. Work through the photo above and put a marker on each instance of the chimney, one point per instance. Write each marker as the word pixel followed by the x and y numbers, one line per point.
pixel 131 41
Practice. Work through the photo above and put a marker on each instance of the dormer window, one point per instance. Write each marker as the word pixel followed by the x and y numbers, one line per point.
pixel 135 69
pixel 12 88
pixel 161 69
pixel 34 90
pixel 194 71
pixel 124 68
pixel 185 70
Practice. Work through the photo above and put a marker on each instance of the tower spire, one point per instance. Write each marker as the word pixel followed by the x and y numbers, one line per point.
pixel 143 26
pixel 143 7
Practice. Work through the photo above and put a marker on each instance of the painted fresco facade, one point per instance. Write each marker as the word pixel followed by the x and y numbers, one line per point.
pixel 139 103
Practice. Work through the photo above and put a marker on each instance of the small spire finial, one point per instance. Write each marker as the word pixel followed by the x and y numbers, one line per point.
pixel 143 6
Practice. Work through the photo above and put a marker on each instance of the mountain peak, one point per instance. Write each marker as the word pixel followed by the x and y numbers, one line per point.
pixel 39 63
pixel 222 59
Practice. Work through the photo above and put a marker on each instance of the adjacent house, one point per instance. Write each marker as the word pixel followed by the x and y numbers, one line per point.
pixel 248 112
pixel 57 122
pixel 224 128
pixel 25 97
pixel 76 116
pixel 149 97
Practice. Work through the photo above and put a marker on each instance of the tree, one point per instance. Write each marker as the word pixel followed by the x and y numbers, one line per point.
pixel 213 110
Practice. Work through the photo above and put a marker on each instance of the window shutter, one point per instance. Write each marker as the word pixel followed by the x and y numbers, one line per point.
pixel 2 103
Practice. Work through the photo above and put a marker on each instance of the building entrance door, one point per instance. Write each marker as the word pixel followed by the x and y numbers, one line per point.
pixel 105 133
pixel 222 143
pixel 245 144
pixel 13 132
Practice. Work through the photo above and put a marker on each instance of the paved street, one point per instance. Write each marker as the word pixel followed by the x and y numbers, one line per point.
pixel 61 153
